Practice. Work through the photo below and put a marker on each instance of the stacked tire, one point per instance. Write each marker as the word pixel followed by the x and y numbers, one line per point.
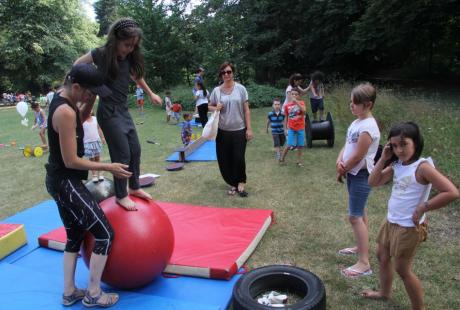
pixel 281 278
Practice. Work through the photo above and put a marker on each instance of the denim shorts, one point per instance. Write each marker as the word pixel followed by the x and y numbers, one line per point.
pixel 296 138
pixel 358 191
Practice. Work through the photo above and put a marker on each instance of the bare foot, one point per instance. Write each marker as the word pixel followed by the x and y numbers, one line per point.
pixel 372 294
pixel 127 203
pixel 140 193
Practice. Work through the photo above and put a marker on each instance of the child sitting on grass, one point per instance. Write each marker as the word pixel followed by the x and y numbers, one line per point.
pixel 186 129
pixel 406 226
pixel 275 120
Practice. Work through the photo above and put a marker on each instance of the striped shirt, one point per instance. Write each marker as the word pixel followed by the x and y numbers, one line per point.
pixel 276 122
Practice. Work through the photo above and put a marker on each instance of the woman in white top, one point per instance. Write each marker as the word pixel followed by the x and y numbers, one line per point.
pixel 231 99
pixel 201 97
pixel 405 227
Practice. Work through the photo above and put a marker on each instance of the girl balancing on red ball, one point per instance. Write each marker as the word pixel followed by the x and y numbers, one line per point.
pixel 121 60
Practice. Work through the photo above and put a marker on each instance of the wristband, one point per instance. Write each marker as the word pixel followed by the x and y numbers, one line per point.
pixel 425 206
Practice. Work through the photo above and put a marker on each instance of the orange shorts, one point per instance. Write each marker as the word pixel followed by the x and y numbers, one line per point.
pixel 140 101
pixel 402 241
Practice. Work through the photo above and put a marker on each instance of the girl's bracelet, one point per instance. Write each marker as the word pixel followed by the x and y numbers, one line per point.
pixel 426 206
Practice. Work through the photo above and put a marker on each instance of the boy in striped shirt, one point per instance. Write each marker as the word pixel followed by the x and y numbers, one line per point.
pixel 275 119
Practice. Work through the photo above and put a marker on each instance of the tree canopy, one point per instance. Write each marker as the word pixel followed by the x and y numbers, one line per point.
pixel 266 39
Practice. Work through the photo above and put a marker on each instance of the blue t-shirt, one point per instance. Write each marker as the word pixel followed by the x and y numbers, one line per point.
pixel 276 122
pixel 139 93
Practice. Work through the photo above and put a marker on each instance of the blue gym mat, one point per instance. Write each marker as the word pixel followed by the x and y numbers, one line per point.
pixel 206 152
pixel 32 277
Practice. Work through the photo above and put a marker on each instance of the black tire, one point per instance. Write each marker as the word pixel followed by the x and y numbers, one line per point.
pixel 279 278
pixel 330 141
pixel 308 132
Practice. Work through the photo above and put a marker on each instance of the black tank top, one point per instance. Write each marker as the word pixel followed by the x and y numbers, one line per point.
pixel 55 168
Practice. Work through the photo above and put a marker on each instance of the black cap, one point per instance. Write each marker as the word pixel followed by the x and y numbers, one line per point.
pixel 88 76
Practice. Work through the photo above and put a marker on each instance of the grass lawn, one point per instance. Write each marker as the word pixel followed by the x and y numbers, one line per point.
pixel 310 206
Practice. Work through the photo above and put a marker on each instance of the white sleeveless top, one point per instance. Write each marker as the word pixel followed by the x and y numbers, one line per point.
pixel 407 193
pixel 91 131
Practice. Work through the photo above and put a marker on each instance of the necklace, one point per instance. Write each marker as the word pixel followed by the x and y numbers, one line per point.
pixel 228 90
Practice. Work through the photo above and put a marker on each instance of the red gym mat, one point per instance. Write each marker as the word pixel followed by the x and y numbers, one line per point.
pixel 209 242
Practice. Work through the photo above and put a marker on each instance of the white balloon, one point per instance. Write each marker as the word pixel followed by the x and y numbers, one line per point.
pixel 22 108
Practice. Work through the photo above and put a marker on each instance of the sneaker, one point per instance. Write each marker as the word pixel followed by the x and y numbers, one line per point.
pixel 277 156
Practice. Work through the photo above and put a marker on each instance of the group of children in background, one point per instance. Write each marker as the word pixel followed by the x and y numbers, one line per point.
pixel 289 119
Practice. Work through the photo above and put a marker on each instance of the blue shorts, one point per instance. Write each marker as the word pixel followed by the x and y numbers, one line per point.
pixel 358 191
pixel 296 138
pixel 316 104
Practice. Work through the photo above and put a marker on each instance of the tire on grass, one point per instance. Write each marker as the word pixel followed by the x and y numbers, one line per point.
pixel 281 278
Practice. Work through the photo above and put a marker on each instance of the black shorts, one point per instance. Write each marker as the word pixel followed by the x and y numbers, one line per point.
pixel 278 139
pixel 316 104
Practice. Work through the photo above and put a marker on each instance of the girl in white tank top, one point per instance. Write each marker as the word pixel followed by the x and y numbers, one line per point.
pixel 412 180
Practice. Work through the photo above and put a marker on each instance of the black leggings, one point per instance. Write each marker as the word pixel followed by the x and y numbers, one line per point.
pixel 80 213
pixel 231 149
pixel 203 113
pixel 124 147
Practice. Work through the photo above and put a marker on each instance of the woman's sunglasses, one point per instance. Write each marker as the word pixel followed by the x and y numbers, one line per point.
pixel 226 72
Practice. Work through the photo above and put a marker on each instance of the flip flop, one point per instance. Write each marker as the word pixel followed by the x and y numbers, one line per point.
pixel 77 295
pixel 347 251
pixel 357 274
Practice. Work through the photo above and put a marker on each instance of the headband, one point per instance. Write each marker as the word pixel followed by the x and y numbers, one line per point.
pixel 125 23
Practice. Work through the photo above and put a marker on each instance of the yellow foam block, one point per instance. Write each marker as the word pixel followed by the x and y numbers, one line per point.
pixel 12 237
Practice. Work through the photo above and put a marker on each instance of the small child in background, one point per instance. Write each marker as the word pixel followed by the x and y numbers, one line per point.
pixel 93 140
pixel 275 120
pixel 40 122
pixel 316 88
pixel 294 123
pixel 186 129
pixel 140 99
pixel 168 106
pixel 406 225
pixel 176 108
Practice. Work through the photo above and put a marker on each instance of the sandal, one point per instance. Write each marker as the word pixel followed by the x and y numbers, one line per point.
pixel 77 295
pixel 232 191
pixel 89 301
pixel 243 193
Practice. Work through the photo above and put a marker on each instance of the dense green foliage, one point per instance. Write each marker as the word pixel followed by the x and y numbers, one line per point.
pixel 39 41
pixel 268 40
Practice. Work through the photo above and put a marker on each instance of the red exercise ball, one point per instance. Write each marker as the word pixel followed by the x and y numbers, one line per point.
pixel 142 245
